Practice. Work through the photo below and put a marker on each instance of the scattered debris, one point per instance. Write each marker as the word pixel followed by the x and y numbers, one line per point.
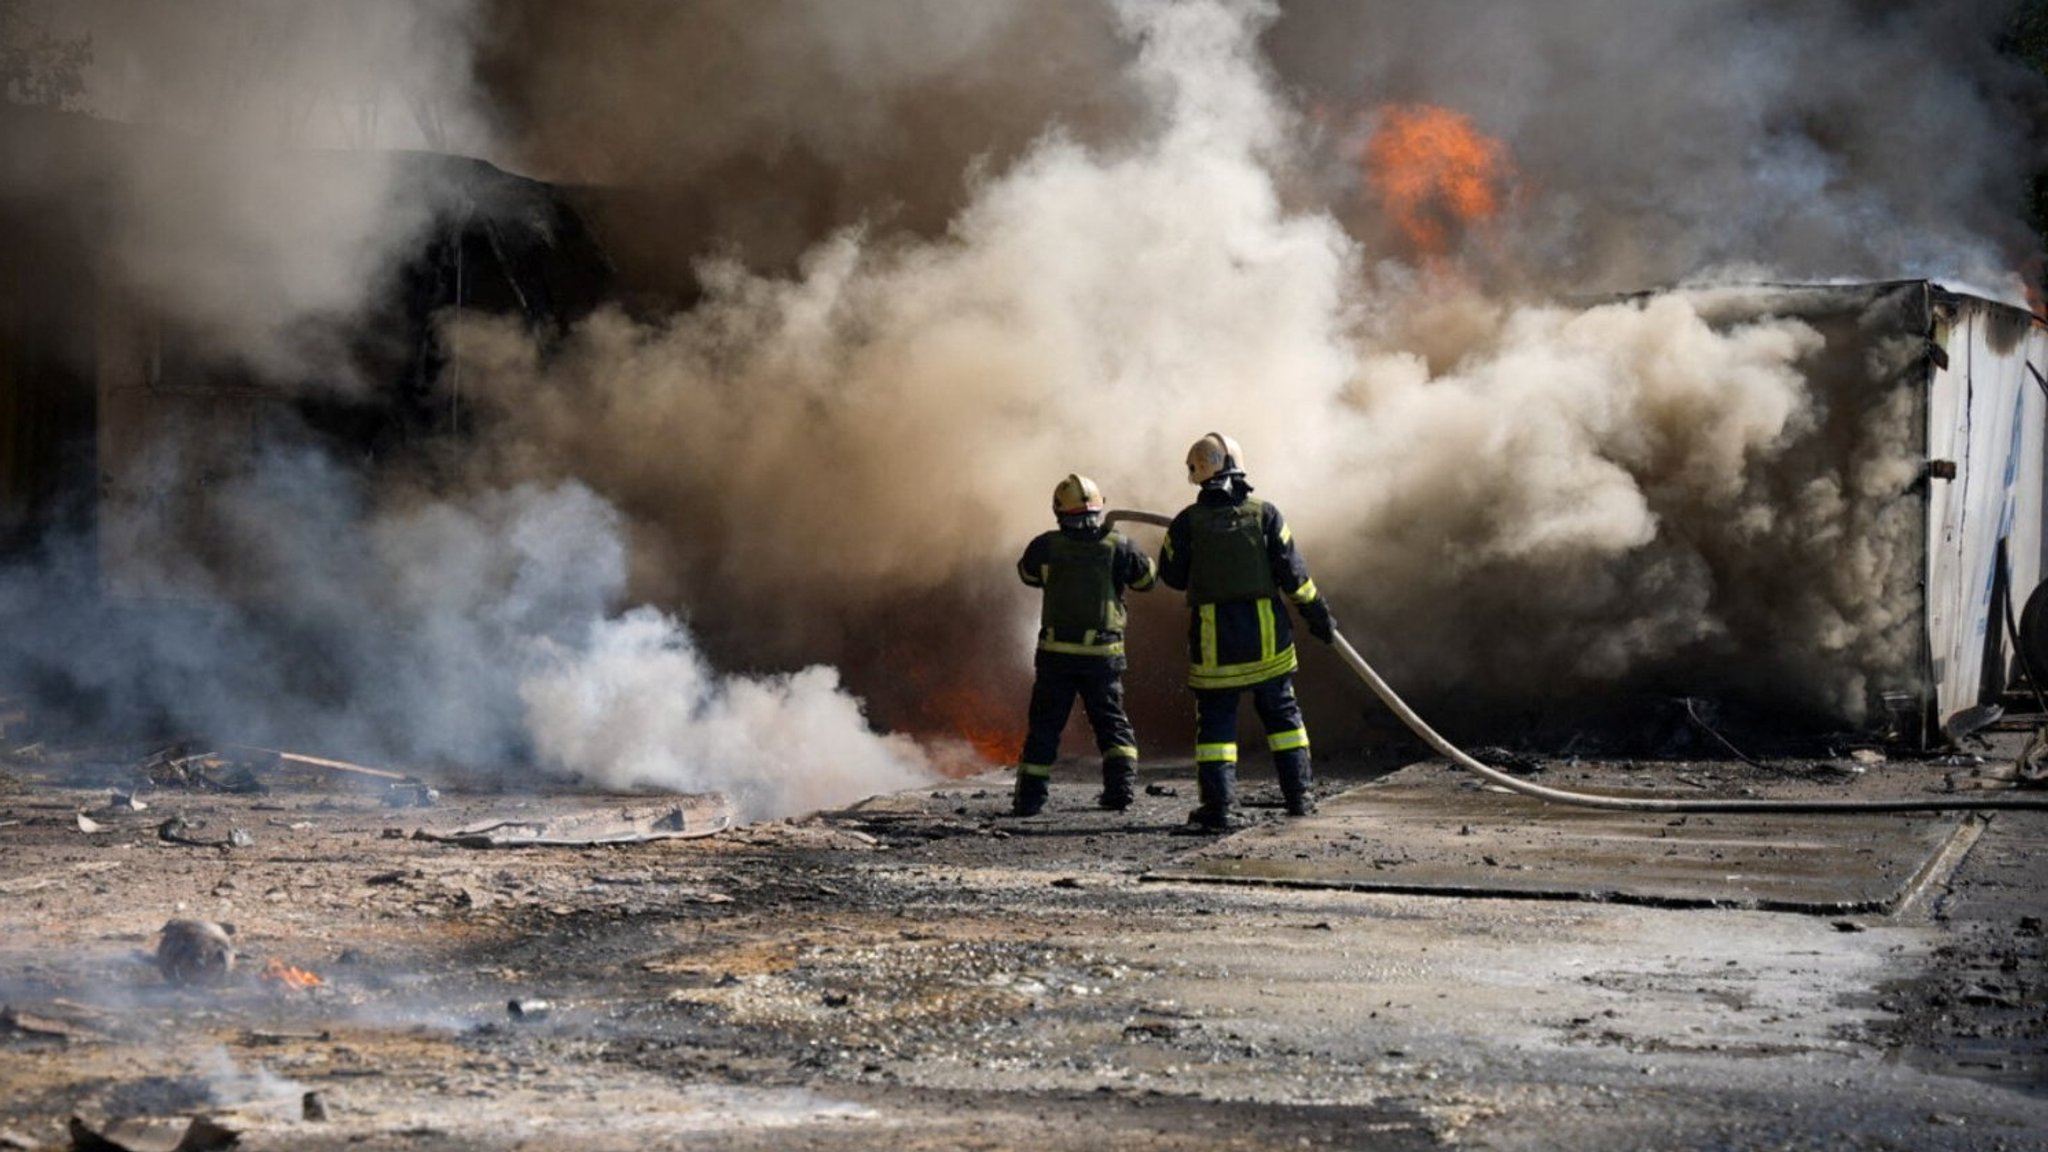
pixel 88 825
pixel 277 757
pixel 254 1038
pixel 1078 882
pixel 579 830
pixel 411 794
pixel 2030 769
pixel 528 1009
pixel 1515 763
pixel 177 831
pixel 313 1108
pixel 176 766
pixel 1970 721
pixel 196 952
pixel 146 1134
pixel 120 803
pixel 16 1022
pixel 1155 1029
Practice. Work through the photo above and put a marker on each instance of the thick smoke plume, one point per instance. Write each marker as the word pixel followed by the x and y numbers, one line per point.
pixel 889 271
pixel 255 200
pixel 247 201
pixel 1497 487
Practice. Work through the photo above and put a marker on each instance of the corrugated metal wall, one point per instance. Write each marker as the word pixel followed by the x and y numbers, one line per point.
pixel 1988 413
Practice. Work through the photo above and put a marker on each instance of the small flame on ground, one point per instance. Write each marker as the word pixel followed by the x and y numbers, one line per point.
pixel 280 972
pixel 1437 175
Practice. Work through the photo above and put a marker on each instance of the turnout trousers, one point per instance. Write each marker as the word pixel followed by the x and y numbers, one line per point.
pixel 1216 747
pixel 1101 692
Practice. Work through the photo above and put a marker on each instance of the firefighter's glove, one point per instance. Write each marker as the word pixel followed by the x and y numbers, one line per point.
pixel 1321 624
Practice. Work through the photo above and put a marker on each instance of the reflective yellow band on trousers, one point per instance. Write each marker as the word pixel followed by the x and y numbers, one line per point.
pixel 1282 741
pixel 1210 753
pixel 1044 770
pixel 1121 750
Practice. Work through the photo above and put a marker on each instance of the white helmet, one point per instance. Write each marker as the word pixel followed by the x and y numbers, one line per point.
pixel 1212 456
pixel 1077 495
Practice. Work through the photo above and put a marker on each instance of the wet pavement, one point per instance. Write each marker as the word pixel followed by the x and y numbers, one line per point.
pixel 1432 829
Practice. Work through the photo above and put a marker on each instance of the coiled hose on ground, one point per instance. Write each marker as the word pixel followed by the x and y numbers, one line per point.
pixel 1637 803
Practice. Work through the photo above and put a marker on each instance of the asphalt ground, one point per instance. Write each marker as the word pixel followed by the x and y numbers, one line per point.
pixel 1441 966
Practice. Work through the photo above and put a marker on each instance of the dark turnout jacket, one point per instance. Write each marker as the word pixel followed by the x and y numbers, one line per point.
pixel 1235 557
pixel 1084 573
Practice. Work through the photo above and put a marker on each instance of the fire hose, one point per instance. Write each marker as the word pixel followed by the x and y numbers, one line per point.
pixel 1636 803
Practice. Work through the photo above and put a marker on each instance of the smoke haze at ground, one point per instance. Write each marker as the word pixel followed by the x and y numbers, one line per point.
pixel 937 256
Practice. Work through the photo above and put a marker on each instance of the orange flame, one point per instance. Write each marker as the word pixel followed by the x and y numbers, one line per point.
pixel 1436 173
pixel 283 973
pixel 962 712
pixel 971 713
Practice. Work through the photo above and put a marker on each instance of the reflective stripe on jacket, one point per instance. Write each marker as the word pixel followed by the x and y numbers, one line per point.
pixel 1246 640
pixel 1084 575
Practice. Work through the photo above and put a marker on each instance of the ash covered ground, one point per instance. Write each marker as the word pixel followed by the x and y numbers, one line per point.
pixel 922 971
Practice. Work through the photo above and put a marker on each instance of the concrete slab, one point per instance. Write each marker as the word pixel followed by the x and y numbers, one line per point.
pixel 1430 829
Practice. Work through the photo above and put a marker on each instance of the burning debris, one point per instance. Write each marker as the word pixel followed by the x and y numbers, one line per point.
pixel 275 971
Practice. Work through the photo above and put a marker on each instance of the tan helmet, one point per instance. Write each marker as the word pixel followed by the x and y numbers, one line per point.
pixel 1212 456
pixel 1075 496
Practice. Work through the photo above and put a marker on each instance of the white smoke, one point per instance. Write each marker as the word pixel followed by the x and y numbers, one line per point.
pixel 636 706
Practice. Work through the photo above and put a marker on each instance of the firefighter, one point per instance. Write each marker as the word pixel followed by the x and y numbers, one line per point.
pixel 1235 558
pixel 1083 570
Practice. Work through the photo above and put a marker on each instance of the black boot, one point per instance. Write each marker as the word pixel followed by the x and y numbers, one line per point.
pixel 1218 784
pixel 1119 784
pixel 1297 784
pixel 1029 799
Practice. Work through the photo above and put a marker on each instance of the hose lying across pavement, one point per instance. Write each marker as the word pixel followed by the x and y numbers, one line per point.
pixel 1459 757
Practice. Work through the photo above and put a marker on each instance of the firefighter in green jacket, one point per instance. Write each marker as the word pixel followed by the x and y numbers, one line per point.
pixel 1083 569
pixel 1235 558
